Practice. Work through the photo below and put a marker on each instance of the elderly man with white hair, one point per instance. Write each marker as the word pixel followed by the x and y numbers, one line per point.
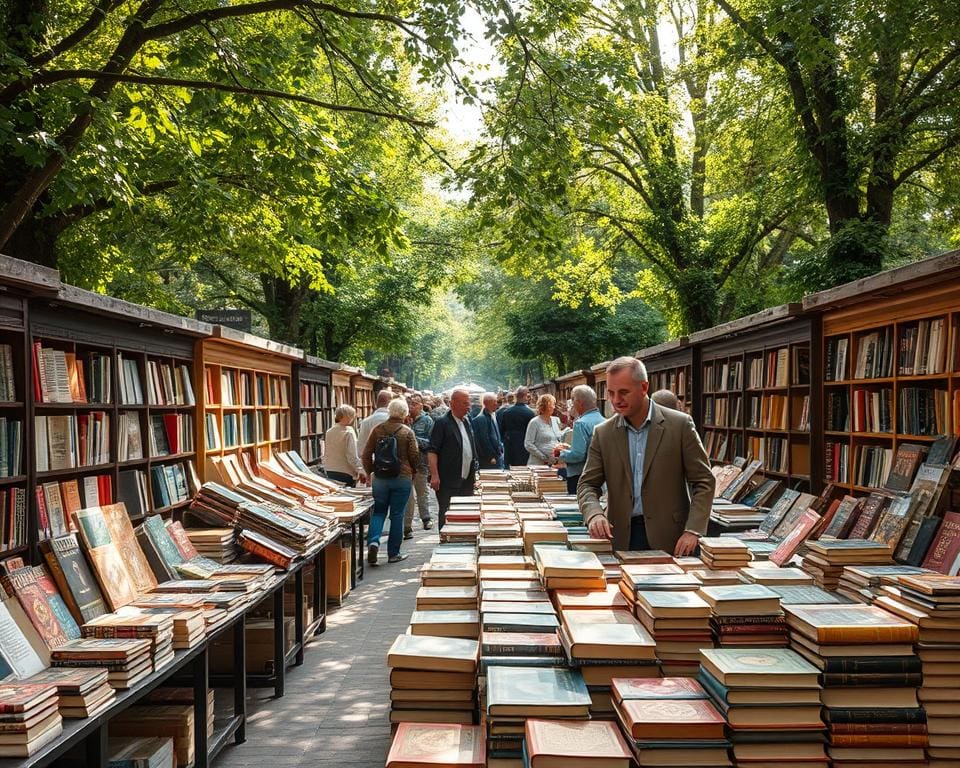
pixel 587 418
pixel 453 453
pixel 487 433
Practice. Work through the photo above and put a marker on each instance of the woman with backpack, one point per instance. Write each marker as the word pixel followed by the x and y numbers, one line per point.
pixel 391 457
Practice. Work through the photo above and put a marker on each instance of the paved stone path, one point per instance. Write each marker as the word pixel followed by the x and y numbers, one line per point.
pixel 337 704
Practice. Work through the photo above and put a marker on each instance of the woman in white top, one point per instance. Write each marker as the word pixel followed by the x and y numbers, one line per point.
pixel 340 459
pixel 543 433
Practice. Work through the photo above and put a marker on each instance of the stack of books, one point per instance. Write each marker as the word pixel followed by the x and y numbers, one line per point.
pixel 932 602
pixel 501 579
pixel 515 694
pixel 126 661
pixel 83 692
pixel 826 558
pixel 193 614
pixel 457 533
pixel 141 751
pixel 585 743
pixel 603 644
pixel 723 553
pixel 443 623
pixel 157 628
pixel 446 598
pixel 670 721
pixel 184 695
pixel 460 571
pixel 864 583
pixel 438 744
pixel 29 718
pixel 433 679
pixel 218 544
pixel 173 721
pixel 679 623
pixel 656 576
pixel 772 576
pixel 746 615
pixel 863 652
pixel 543 532
pixel 771 699
pixel 523 646
pixel 568 569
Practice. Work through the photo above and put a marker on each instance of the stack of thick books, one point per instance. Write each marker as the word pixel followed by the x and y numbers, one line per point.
pixel 444 623
pixel 656 576
pixel 459 571
pixel 584 743
pixel 568 569
pixel 826 558
pixel 772 576
pixel 771 699
pixel 520 646
pixel 502 579
pixel 29 718
pixel 603 644
pixel 457 533
pixel 157 628
pixel 670 721
pixel 746 615
pixel 680 625
pixel 932 602
pixel 126 661
pixel 437 744
pixel 174 721
pixel 611 597
pixel 516 694
pixel 433 679
pixel 190 613
pixel 723 553
pixel 83 692
pixel 141 751
pixel 717 578
pixel 543 532
pixel 863 652
pixel 184 695
pixel 446 598
pixel 864 583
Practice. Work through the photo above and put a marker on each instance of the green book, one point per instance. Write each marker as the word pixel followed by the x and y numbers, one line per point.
pixel 519 622
pixel 759 667
pixel 160 536
pixel 522 691
pixel 93 527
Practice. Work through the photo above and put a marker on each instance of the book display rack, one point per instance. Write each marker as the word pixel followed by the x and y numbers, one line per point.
pixel 567 382
pixel 672 366
pixel 362 393
pixel 244 387
pixel 891 368
pixel 313 404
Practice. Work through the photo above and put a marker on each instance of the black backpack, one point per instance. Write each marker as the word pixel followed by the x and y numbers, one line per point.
pixel 386 459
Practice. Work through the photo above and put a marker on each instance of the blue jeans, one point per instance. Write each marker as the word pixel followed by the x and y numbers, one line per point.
pixel 390 494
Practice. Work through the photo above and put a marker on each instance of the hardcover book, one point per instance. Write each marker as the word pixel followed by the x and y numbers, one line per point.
pixel 76 581
pixel 656 688
pixel 441 744
pixel 57 606
pixel 672 719
pixel 555 744
pixel 123 535
pixel 790 520
pixel 779 510
pixel 108 565
pixel 759 667
pixel 908 458
pixel 22 584
pixel 793 540
pixel 536 691
pixel 850 624
pixel 844 518
pixel 946 545
pixel 447 654
pixel 894 519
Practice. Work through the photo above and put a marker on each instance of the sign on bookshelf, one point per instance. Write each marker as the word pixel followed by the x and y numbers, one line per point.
pixel 238 319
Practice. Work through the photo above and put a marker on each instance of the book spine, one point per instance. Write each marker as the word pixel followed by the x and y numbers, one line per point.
pixel 862 728
pixel 879 715
pixel 871 679
pixel 255 548
pixel 880 665
pixel 879 739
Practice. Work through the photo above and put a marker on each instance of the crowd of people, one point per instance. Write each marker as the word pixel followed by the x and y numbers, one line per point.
pixel 646 460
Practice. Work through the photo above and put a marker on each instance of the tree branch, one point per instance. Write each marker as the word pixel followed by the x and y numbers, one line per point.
pixel 924 161
pixel 96 18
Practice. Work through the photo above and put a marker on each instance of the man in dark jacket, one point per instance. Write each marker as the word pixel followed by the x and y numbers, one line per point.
pixel 513 429
pixel 487 433
pixel 453 453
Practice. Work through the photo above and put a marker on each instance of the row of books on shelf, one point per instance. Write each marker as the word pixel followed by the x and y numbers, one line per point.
pixel 13 518
pixel 674 379
pixel 311 422
pixel 314 395
pixel 922 348
pixel 68 441
pixel 8 381
pixel 11 447
pixel 245 429
pixel 237 388
pixel 921 411
pixel 723 376
pixel 770 369
pixel 311 448
pixel 67 377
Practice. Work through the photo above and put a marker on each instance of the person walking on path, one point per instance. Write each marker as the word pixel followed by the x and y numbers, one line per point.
pixel 587 419
pixel 648 456
pixel 384 396
pixel 513 429
pixel 487 433
pixel 543 433
pixel 341 462
pixel 422 426
pixel 453 454
pixel 391 458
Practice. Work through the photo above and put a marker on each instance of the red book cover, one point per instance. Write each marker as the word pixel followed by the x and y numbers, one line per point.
pixel 23 584
pixel 438 744
pixel 173 436
pixel 672 718
pixel 791 543
pixel 37 391
pixel 20 697
pixel 946 546
pixel 105 489
pixel 656 688
pixel 180 538
pixel 575 741
pixel 42 517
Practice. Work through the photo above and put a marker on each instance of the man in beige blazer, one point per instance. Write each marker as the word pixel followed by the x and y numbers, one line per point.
pixel 659 484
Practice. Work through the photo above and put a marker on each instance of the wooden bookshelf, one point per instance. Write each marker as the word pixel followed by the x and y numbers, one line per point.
pixel 568 381
pixel 599 372
pixel 755 394
pixel 891 368
pixel 672 366
pixel 362 393
pixel 243 385
pixel 19 283
pixel 313 405
pixel 130 413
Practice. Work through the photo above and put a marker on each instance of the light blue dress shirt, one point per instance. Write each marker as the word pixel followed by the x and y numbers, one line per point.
pixel 637 445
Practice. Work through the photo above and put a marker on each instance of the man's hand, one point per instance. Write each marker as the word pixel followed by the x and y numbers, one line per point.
pixel 435 483
pixel 493 462
pixel 362 478
pixel 686 544
pixel 599 528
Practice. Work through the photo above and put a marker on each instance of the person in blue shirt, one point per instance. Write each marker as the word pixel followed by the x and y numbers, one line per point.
pixel 587 418
pixel 487 434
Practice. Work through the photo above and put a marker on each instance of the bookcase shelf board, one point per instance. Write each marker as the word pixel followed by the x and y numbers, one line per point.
pixel 599 371
pixel 753 392
pixel 891 368
pixel 243 386
pixel 313 399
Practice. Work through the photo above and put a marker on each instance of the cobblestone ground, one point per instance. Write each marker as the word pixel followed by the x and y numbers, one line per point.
pixel 337 704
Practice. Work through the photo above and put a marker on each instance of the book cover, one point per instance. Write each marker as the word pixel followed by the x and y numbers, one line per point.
pixel 22 584
pixel 946 545
pixel 923 541
pixel 656 688
pixel 869 514
pixel 942 450
pixel 440 744
pixel 518 689
pixel 842 519
pixel 166 546
pixel 158 565
pixel 850 624
pixel 115 581
pixel 793 540
pixel 21 647
pixel 574 740
pixel 894 519
pixel 672 718
pixel 787 666
pixel 182 541
pixel 77 584
pixel 123 536
pixel 790 516
pixel 433 653
pixel 57 606
pixel 905 463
